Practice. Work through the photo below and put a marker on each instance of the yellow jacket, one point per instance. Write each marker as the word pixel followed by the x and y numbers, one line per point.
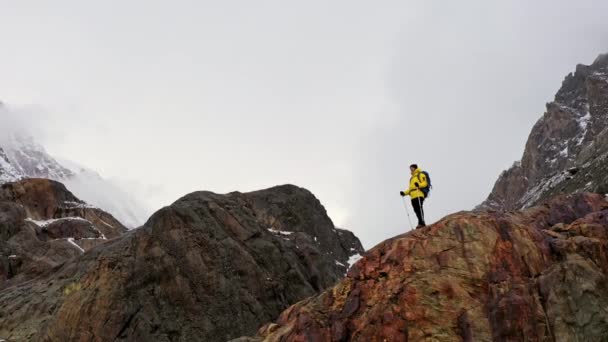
pixel 420 178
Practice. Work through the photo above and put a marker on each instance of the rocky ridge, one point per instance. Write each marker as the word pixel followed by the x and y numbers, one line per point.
pixel 535 275
pixel 209 267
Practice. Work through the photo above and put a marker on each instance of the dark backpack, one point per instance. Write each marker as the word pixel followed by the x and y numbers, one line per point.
pixel 427 189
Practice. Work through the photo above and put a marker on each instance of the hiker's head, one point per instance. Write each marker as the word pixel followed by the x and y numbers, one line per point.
pixel 413 168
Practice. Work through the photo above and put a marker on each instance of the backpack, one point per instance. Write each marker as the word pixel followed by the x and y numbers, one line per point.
pixel 427 189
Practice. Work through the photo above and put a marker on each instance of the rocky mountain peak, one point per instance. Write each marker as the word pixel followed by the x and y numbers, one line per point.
pixel 571 135
pixel 292 213
pixel 209 267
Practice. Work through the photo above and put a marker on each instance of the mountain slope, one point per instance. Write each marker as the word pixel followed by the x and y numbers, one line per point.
pixel 567 148
pixel 31 160
pixel 208 268
pixel 535 275
pixel 22 157
pixel 8 173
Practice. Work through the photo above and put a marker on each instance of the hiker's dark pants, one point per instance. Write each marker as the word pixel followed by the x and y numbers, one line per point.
pixel 417 203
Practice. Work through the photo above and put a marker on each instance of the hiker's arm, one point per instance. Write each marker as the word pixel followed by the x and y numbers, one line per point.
pixel 407 192
pixel 410 189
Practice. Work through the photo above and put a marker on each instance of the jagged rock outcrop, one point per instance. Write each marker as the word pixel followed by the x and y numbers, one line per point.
pixel 207 268
pixel 42 225
pixel 567 150
pixel 535 275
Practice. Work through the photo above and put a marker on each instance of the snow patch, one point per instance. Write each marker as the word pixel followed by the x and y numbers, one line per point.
pixel 340 264
pixel 535 193
pixel 279 232
pixel 601 75
pixel 106 223
pixel 47 223
pixel 583 123
pixel 13 256
pixel 78 205
pixel 71 241
pixel 353 259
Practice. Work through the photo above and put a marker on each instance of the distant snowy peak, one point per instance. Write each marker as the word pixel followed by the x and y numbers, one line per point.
pixel 30 159
pixel 8 173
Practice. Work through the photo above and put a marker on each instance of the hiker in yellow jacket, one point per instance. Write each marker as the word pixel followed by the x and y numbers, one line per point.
pixel 418 182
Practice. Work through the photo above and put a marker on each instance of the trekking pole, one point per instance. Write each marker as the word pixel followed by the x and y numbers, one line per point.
pixel 408 213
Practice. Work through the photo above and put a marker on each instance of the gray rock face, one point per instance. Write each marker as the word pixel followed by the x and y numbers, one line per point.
pixel 567 150
pixel 207 268
pixel 293 209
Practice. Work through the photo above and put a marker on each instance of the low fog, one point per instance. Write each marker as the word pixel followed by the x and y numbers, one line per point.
pixel 165 98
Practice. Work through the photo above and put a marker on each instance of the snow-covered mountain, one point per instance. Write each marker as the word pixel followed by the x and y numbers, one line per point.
pixel 22 157
pixel 8 173
pixel 26 158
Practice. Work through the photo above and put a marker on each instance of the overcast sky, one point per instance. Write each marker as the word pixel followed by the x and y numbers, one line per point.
pixel 169 97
